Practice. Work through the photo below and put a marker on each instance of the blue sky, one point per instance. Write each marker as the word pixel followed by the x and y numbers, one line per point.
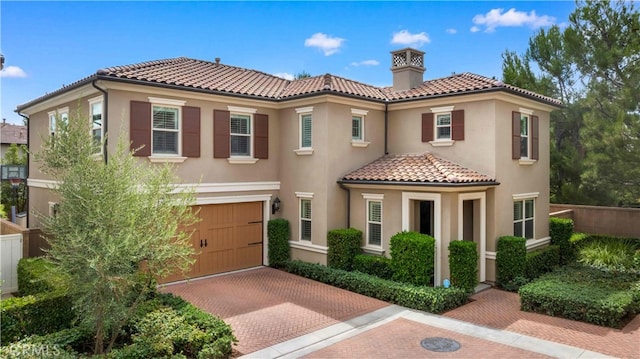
pixel 49 44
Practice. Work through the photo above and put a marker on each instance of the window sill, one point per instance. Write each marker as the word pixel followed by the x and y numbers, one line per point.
pixel 535 243
pixel 304 151
pixel 526 162
pixel 373 250
pixel 442 143
pixel 242 160
pixel 356 143
pixel 171 159
pixel 308 246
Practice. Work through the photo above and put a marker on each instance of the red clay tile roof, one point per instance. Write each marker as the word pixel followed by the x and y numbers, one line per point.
pixel 182 72
pixel 425 168
pixel 13 134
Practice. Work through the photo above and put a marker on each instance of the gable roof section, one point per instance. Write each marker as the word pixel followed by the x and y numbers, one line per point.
pixel 213 77
pixel 416 169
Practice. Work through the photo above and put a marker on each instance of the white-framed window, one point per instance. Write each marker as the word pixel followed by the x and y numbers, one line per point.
pixel 57 117
pixel 357 127
pixel 165 139
pixel 443 126
pixel 524 135
pixel 304 199
pixel 54 209
pixel 524 217
pixel 305 125
pixel 374 223
pixel 241 135
pixel 95 118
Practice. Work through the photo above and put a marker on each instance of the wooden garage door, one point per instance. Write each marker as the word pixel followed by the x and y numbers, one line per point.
pixel 228 237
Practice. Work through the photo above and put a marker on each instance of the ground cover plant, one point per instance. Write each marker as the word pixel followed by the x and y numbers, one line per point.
pixel 585 294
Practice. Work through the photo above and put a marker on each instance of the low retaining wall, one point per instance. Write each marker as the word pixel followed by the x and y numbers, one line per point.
pixel 612 221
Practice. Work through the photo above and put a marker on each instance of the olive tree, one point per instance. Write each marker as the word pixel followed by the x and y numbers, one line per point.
pixel 119 226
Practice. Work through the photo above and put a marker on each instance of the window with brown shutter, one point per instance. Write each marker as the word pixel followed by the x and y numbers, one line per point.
pixel 261 136
pixel 190 131
pixel 427 127
pixel 221 133
pixel 457 125
pixel 140 128
pixel 515 135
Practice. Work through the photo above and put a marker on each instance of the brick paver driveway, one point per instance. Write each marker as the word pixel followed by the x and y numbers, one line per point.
pixel 266 306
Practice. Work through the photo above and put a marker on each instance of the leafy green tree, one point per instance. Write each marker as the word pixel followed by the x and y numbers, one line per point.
pixel 15 155
pixel 119 226
pixel 302 75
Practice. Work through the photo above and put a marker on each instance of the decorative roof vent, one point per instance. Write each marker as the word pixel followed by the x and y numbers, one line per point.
pixel 407 66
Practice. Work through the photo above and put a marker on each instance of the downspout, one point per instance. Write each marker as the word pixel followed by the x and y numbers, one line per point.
pixel 105 123
pixel 386 127
pixel 348 203
pixel 26 120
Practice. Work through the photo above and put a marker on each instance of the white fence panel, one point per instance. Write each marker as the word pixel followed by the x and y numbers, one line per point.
pixel 10 254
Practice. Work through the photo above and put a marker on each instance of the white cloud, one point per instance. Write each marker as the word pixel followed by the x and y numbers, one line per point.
pixel 329 45
pixel 451 31
pixel 12 71
pixel 497 18
pixel 474 29
pixel 404 37
pixel 366 63
pixel 284 75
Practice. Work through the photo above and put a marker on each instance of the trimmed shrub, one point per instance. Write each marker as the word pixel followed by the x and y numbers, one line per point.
pixel 38 314
pixel 510 261
pixel 561 230
pixel 279 233
pixel 542 261
pixel 429 299
pixel 585 294
pixel 37 275
pixel 58 344
pixel 463 264
pixel 412 255
pixel 344 245
pixel 373 265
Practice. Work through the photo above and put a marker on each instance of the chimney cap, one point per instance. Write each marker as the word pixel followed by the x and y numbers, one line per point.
pixel 217 60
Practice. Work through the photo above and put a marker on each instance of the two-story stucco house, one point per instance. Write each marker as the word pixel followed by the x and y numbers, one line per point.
pixel 463 157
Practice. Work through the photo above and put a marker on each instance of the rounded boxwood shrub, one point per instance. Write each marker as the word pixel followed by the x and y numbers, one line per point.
pixel 279 232
pixel 510 260
pixel 344 245
pixel 463 263
pixel 412 256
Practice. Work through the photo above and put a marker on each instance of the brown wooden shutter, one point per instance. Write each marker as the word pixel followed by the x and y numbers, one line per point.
pixel 191 131
pixel 221 134
pixel 515 135
pixel 457 125
pixel 140 128
pixel 427 127
pixel 261 136
pixel 534 137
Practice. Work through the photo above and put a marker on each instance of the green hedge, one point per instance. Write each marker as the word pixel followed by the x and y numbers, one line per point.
pixel 344 245
pixel 412 255
pixel 561 230
pixel 37 275
pixel 542 261
pixel 279 233
pixel 584 294
pixel 429 299
pixel 510 261
pixel 463 264
pixel 39 314
pixel 373 265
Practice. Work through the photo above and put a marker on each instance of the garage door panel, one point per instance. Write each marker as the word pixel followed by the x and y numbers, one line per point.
pixel 249 234
pixel 219 239
pixel 246 213
pixel 250 256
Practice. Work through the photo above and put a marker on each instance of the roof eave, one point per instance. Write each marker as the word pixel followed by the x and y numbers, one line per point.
pixel 58 92
pixel 424 184
pixel 462 93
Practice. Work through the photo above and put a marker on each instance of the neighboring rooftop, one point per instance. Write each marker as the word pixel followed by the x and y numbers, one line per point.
pixel 214 77
pixel 10 133
pixel 425 168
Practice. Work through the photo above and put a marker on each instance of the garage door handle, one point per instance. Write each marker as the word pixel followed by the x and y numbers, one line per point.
pixel 255 222
pixel 251 244
pixel 205 242
pixel 201 243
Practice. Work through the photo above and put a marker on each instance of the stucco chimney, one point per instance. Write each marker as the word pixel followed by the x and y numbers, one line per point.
pixel 407 66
